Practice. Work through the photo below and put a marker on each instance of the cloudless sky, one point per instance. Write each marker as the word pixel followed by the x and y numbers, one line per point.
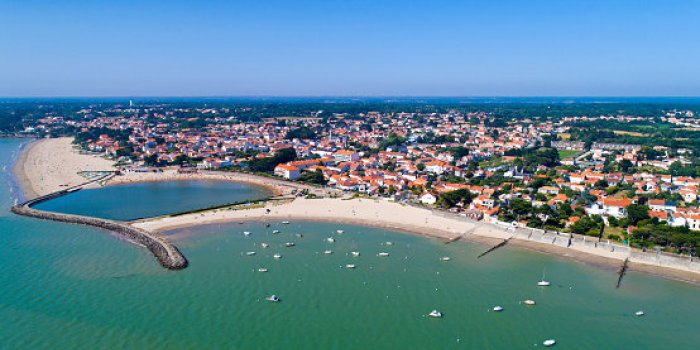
pixel 350 47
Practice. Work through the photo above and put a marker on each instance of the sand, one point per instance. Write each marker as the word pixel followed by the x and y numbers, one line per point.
pixel 49 165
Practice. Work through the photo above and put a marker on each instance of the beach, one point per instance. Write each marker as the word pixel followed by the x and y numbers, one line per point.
pixel 49 165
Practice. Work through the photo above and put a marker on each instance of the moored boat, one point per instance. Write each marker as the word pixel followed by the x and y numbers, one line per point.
pixel 435 314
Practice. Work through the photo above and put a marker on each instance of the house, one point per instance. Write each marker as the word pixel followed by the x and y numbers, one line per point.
pixel 346 156
pixel 428 198
pixel 616 206
pixel 289 172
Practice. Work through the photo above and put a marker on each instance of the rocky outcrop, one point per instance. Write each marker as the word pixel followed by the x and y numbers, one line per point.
pixel 167 254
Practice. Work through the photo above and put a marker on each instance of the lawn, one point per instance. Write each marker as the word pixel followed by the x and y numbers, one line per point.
pixel 563 153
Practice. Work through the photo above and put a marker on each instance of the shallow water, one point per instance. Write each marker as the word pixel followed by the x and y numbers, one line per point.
pixel 139 200
pixel 73 287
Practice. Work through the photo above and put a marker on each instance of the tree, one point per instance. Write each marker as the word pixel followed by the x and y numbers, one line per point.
pixel 637 213
pixel 625 165
pixel 420 166
pixel 601 184
pixel 301 133
pixel 314 177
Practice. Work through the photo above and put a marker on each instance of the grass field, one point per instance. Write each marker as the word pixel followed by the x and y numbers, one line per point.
pixel 568 153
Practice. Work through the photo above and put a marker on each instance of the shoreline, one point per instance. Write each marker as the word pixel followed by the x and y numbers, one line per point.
pixel 18 174
pixel 478 232
pixel 394 216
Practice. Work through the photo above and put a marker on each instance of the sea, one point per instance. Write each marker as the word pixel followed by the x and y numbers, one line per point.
pixel 74 287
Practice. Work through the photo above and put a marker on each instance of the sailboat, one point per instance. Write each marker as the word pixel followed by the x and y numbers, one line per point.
pixel 543 282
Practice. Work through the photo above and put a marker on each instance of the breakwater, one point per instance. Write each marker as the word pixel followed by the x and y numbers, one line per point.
pixel 167 254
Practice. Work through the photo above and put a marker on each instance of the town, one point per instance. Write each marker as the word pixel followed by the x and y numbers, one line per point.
pixel 603 176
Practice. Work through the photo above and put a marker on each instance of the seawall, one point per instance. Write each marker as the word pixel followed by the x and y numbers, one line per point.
pixel 607 249
pixel 167 254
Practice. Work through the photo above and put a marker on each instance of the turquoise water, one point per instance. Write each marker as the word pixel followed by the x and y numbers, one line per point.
pixel 133 201
pixel 74 287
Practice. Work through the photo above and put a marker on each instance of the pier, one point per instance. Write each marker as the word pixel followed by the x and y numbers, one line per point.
pixel 167 254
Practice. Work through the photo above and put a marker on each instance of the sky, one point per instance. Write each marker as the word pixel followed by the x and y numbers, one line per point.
pixel 349 48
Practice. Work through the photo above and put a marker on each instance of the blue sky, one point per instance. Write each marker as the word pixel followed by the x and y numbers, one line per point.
pixel 350 47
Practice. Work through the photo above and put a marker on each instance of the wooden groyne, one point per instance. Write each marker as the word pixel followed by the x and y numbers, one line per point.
pixel 167 254
pixel 499 245
pixel 621 273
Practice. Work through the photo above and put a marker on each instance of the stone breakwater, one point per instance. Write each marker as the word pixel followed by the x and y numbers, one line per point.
pixel 167 254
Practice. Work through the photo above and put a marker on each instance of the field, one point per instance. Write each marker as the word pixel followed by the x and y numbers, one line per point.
pixel 563 153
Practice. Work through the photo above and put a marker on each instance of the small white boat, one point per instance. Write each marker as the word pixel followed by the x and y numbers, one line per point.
pixel 249 253
pixel 262 269
pixel 273 298
pixel 639 313
pixel 285 222
pixel 529 302
pixel 498 308
pixel 328 252
pixel 383 254
pixel 543 282
pixel 355 254
pixel 350 266
pixel 264 245
pixel 389 243
pixel 549 342
pixel 445 258
pixel 289 244
pixel 275 231
pixel 330 240
pixel 435 314
pixel 340 232
pixel 277 256
pixel 246 233
pixel 299 235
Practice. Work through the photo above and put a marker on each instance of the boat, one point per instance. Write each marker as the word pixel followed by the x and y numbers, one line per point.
pixel 277 256
pixel 328 252
pixel 246 233
pixel 529 302
pixel 330 240
pixel 289 244
pixel 639 313
pixel 275 231
pixel 389 243
pixel 435 314
pixel 264 245
pixel 384 254
pixel 340 232
pixel 249 253
pixel 262 269
pixel 299 235
pixel 350 266
pixel 267 225
pixel 445 258
pixel 543 282
pixel 549 342
pixel 498 308
pixel 285 222
pixel 273 298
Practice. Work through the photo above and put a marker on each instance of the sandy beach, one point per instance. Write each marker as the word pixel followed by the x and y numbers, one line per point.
pixel 49 165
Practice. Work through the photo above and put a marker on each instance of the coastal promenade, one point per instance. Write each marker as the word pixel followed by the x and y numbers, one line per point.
pixel 167 254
